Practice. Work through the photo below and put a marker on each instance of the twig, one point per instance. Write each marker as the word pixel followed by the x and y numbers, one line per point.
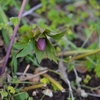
pixel 33 76
pixel 26 69
pixel 13 37
pixel 77 81
pixel 94 95
pixel 20 73
pixel 31 10
pixel 65 78
pixel 33 87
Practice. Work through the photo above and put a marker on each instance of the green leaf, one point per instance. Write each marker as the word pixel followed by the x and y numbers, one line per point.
pixel 3 17
pixel 3 94
pixel 14 63
pixel 93 45
pixel 87 79
pixel 52 2
pixel 14 20
pixel 58 36
pixel 51 56
pixel 71 7
pixel 44 80
pixel 50 51
pixel 24 38
pixel 97 71
pixel 19 45
pixel 46 31
pixel 32 59
pixel 21 96
pixel 30 34
pixel 24 28
pixel 36 31
pixel 55 87
pixel 42 24
pixel 5 26
pixel 30 98
pixel 44 3
pixel 26 50
pixel 11 89
pixel 39 54
pixel 1 25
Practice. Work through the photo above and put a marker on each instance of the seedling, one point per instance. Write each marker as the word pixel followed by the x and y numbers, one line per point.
pixel 36 41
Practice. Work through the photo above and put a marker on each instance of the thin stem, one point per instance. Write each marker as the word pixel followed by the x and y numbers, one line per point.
pixel 26 69
pixel 54 82
pixel 33 87
pixel 89 59
pixel 66 53
pixel 86 40
pixel 91 88
pixel 64 77
pixel 94 95
pixel 54 72
pixel 42 97
pixel 76 74
pixel 33 76
pixel 86 54
pixel 19 82
pixel 31 10
pixel 13 37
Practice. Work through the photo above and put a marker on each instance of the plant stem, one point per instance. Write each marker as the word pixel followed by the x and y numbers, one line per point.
pixel 54 72
pixel 73 52
pixel 86 54
pixel 66 53
pixel 91 88
pixel 54 82
pixel 13 36
pixel 31 10
pixel 33 87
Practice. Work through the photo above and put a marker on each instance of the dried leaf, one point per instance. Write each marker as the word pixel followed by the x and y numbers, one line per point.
pixel 48 92
pixel 81 69
pixel 36 79
pixel 83 93
pixel 9 78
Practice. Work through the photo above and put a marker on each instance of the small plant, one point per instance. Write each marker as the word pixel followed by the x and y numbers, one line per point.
pixel 47 81
pixel 37 41
pixel 87 79
pixel 11 92
pixel 7 93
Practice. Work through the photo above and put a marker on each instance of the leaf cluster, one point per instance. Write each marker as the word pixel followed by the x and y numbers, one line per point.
pixel 27 44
